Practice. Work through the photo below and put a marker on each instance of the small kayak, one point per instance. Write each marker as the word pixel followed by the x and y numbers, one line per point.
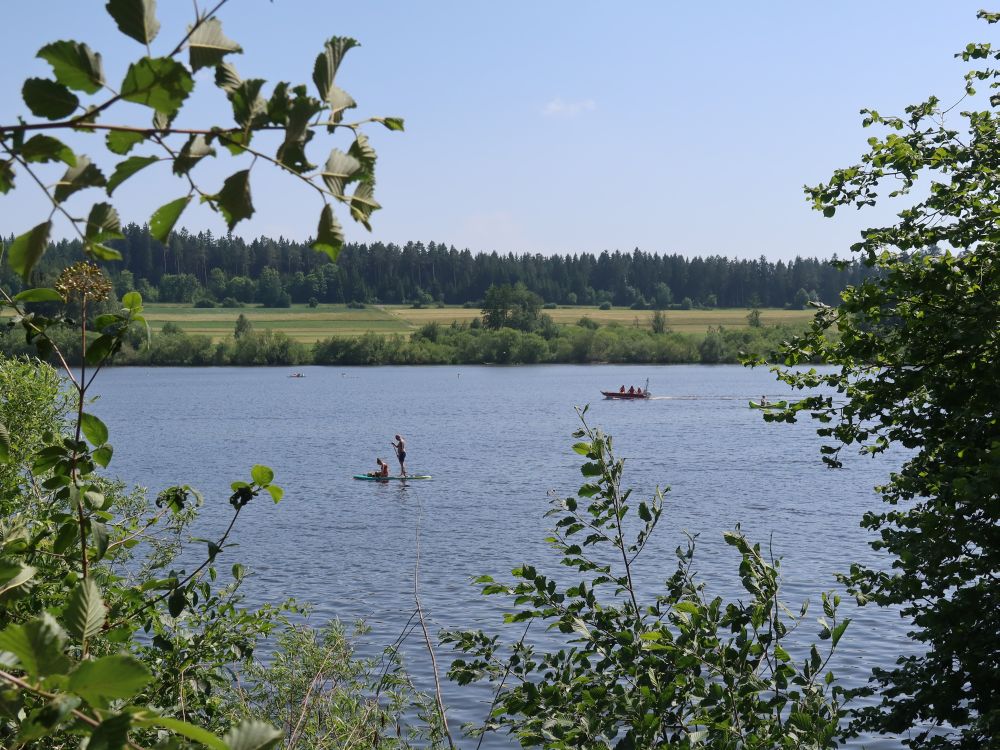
pixel 365 477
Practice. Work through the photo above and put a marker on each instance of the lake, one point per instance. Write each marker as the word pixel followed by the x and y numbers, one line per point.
pixel 496 440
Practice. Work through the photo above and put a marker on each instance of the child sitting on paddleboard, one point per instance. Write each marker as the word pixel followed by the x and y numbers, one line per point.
pixel 383 469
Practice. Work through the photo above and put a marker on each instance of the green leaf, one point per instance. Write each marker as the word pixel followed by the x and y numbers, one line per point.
pixel 25 251
pixel 4 444
pixel 157 82
pixel 275 492
pixel 582 448
pixel 135 18
pixel 93 429
pixel 363 203
pixel 83 175
pixel 45 148
pixel 75 65
pixel 252 735
pixel 208 45
pixel 327 63
pixel 43 720
pixel 121 141
pixel 194 150
pixel 12 574
pixel 132 301
pixel 127 168
pixel 838 631
pixel 392 123
pixel 329 235
pixel 262 475
pixel 38 295
pixel 99 531
pixel 48 99
pixel 184 729
pixel 102 455
pixel 234 198
pixel 6 176
pixel 101 348
pixel 38 646
pixel 226 78
pixel 361 149
pixel 340 169
pixel 85 613
pixel 114 677
pixel 111 734
pixel 164 218
pixel 176 602
pixel 103 224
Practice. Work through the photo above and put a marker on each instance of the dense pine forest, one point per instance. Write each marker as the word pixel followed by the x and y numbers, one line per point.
pixel 207 269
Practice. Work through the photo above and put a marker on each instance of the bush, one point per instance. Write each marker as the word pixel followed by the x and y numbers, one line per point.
pixel 355 305
pixel 313 302
pixel 231 302
pixel 204 302
pixel 549 306
pixel 604 306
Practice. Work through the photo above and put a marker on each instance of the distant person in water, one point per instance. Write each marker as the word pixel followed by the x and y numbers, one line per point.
pixel 383 469
pixel 631 389
pixel 400 447
pixel 622 389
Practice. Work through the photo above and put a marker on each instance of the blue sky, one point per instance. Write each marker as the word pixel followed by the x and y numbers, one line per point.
pixel 555 126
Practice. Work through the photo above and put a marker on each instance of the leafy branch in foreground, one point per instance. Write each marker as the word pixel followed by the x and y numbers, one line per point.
pixel 163 84
pixel 629 670
pixel 917 353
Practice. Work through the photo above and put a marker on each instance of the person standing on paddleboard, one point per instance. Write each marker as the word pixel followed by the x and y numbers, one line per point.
pixel 400 448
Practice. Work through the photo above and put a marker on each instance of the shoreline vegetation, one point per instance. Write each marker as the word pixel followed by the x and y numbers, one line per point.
pixel 387 338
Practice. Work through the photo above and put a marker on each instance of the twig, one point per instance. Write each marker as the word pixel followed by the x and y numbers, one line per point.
pixel 430 648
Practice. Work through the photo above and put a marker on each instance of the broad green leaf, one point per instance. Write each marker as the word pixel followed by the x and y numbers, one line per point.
pixel 176 602
pixel 363 203
pixel 121 141
pixel 132 301
pixel 74 65
pixel 292 152
pixel 338 100
pixel 327 63
pixel 208 45
pixel 103 224
pixel 329 235
pixel 262 474
pixel 582 448
pixel 340 169
pixel 38 646
pixel 44 148
pixel 102 455
pixel 100 349
pixel 38 295
pixel 234 199
pixel 127 168
pixel 362 150
pixel 84 175
pixel 838 631
pixel 252 735
pixel 157 82
pixel 12 574
pixel 164 218
pixel 111 734
pixel 25 251
pixel 43 720
pixel 85 612
pixel 275 492
pixel 194 150
pixel 6 176
pixel 93 429
pixel 48 99
pixel 135 18
pixel 114 677
pixel 4 444
pixel 247 102
pixel 392 123
pixel 226 77
pixel 184 729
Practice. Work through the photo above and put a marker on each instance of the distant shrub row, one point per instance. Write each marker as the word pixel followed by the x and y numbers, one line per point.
pixel 585 342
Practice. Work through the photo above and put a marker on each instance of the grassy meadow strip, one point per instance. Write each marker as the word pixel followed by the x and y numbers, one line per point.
pixel 308 325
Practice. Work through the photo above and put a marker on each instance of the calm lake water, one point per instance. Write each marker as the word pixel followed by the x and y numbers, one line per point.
pixel 496 440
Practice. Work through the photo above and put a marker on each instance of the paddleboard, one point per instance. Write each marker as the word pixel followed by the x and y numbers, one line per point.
pixel 367 478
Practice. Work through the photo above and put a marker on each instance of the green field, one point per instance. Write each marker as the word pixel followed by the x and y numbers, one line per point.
pixel 307 324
